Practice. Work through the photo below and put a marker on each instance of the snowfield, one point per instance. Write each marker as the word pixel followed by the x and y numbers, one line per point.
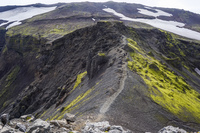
pixel 171 26
pixel 22 13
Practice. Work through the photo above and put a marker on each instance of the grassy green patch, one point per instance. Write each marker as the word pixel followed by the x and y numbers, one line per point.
pixel 133 44
pixel 49 31
pixel 79 78
pixel 166 88
pixel 28 118
pixel 5 49
pixel 12 76
pixel 74 104
pixel 101 54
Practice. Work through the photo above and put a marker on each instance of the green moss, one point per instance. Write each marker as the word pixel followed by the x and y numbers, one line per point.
pixel 5 49
pixel 74 104
pixel 38 56
pixel 79 78
pixel 101 54
pixel 171 45
pixel 12 76
pixel 181 52
pixel 28 118
pixel 133 44
pixel 49 31
pixel 43 114
pixel 166 88
pixel 150 53
pixel 175 62
pixel 75 101
pixel 6 103
pixel 131 41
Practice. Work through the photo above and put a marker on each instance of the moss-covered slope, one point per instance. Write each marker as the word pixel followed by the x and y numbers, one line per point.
pixel 146 76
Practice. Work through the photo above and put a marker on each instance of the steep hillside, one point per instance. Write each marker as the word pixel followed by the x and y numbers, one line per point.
pixel 105 70
pixel 82 60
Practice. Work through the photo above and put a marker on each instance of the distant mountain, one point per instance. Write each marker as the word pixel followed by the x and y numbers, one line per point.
pixel 103 61
pixel 7 8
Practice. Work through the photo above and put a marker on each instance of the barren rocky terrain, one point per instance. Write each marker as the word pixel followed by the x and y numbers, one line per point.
pixel 82 60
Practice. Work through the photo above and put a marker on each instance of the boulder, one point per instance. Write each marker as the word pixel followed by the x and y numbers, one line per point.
pixel 64 130
pixel 60 123
pixel 102 127
pixel 39 126
pixel 69 117
pixel 21 127
pixel 97 127
pixel 5 119
pixel 28 117
pixel 171 129
pixel 115 131
pixel 8 129
pixel 119 128
pixel 55 123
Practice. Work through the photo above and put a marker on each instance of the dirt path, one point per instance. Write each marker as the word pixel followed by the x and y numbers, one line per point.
pixel 111 99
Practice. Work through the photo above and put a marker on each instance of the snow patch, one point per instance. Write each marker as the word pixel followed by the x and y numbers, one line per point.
pixel 197 70
pixel 171 26
pixel 155 14
pixel 13 24
pixel 105 6
pixel 22 13
pixel 93 19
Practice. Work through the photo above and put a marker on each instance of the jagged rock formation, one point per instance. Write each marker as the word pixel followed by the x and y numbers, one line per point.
pixel 105 70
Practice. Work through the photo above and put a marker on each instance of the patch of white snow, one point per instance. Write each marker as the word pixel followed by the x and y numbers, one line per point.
pixel 22 13
pixel 13 24
pixel 155 14
pixel 93 19
pixel 171 26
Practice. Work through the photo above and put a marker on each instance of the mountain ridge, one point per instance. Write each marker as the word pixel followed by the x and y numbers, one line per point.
pixel 102 69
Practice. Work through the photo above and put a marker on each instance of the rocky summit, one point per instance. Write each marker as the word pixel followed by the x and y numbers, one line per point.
pixel 81 68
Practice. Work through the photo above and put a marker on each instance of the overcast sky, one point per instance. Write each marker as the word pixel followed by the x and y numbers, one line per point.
pixel 192 5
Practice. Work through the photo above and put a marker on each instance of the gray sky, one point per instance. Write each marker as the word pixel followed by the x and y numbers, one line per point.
pixel 191 5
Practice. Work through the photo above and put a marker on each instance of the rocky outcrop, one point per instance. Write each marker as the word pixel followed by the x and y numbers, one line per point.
pixel 39 126
pixel 5 119
pixel 22 124
pixel 102 127
pixel 69 118
pixel 171 129
pixel 95 63
pixel 3 40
